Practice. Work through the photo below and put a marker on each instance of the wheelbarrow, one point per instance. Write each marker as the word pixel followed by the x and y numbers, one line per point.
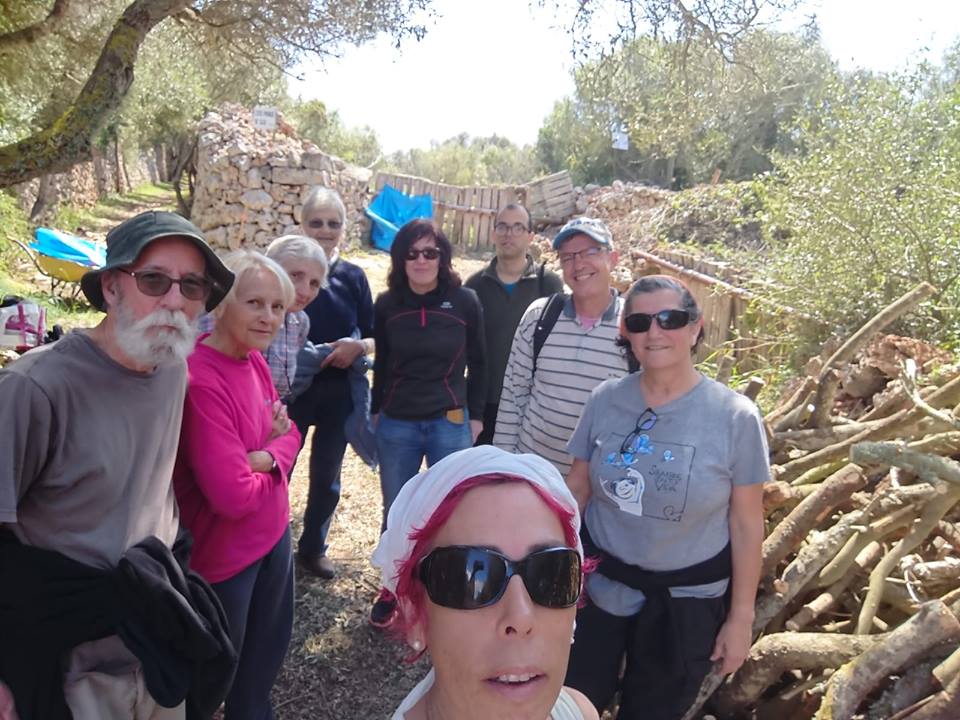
pixel 64 258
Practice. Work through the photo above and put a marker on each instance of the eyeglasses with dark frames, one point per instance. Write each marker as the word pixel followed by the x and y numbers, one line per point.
pixel 429 253
pixel 157 284
pixel 646 421
pixel 501 228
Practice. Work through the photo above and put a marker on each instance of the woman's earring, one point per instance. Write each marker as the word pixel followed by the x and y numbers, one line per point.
pixel 416 645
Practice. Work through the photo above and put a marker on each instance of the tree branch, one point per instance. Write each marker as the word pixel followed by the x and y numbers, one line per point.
pixel 69 139
pixel 15 38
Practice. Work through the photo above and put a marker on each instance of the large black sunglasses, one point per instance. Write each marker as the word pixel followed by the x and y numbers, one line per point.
pixel 428 253
pixel 158 284
pixel 464 577
pixel 666 319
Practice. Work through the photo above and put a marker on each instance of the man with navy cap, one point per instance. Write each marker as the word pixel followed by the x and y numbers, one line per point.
pixel 549 378
pixel 91 426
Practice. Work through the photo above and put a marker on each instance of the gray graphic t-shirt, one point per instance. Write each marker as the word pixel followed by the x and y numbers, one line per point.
pixel 661 478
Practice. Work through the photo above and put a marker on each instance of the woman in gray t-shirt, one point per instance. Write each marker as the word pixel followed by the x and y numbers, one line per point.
pixel 669 469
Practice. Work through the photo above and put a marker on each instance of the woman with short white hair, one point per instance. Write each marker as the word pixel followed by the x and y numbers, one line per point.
pixel 237 448
pixel 341 316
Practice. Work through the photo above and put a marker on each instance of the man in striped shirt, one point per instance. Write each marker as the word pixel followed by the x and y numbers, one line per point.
pixel 541 400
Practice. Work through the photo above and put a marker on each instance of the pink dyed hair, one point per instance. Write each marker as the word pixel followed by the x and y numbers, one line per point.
pixel 410 590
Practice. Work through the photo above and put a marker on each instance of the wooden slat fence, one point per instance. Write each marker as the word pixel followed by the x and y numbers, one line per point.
pixel 466 214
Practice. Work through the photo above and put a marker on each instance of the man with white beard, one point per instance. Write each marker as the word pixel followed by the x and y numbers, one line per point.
pixel 90 427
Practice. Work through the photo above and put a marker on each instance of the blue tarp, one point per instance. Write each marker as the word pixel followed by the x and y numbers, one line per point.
pixel 60 245
pixel 390 210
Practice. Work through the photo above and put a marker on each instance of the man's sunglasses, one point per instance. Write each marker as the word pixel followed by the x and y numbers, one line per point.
pixel 157 284
pixel 466 578
pixel 428 253
pixel 666 319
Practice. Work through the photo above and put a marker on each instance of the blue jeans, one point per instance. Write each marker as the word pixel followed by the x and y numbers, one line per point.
pixel 402 445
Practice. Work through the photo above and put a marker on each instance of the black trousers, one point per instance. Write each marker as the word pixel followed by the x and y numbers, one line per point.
pixel 326 405
pixel 667 657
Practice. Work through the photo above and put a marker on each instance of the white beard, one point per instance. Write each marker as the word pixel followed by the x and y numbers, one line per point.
pixel 147 342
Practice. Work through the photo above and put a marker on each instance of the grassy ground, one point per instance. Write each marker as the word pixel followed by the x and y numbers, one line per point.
pixel 19 276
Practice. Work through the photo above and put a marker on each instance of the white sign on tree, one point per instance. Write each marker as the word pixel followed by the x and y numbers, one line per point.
pixel 265 117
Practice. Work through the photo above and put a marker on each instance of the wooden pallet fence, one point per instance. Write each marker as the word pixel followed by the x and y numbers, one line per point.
pixel 551 200
pixel 465 214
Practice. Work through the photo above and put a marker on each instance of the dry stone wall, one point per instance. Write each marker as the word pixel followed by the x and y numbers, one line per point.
pixel 86 183
pixel 251 183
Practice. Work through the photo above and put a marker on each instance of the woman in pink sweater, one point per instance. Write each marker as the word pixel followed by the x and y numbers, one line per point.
pixel 237 447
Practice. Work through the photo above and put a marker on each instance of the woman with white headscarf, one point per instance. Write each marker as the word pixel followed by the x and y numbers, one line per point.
pixel 483 554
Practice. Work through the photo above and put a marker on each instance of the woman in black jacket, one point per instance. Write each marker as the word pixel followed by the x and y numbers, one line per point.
pixel 428 373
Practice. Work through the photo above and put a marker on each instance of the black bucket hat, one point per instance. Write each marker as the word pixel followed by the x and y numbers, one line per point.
pixel 128 239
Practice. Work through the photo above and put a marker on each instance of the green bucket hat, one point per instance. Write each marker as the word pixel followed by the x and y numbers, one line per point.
pixel 128 239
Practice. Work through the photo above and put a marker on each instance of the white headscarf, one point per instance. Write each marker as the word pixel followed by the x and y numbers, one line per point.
pixel 422 494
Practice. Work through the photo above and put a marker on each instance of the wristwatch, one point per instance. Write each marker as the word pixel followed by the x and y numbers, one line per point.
pixel 273 467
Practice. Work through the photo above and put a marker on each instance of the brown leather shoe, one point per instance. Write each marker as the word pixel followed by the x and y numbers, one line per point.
pixel 320 566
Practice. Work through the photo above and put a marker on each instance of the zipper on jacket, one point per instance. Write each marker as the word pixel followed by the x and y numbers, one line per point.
pixel 423 316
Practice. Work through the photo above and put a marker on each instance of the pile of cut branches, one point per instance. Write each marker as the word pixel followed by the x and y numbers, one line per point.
pixel 857 614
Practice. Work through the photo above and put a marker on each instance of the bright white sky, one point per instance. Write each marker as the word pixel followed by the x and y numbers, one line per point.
pixel 498 66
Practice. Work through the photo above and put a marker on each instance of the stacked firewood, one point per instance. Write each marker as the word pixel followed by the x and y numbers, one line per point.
pixel 857 614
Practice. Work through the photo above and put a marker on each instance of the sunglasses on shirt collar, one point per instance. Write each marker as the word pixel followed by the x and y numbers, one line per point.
pixel 464 577
pixel 666 319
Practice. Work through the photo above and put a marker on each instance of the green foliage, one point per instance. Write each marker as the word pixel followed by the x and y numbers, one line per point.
pixel 13 226
pixel 313 121
pixel 872 206
pixel 688 110
pixel 465 160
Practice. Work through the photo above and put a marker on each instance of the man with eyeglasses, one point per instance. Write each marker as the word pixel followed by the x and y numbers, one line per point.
pixel 91 428
pixel 563 348
pixel 506 287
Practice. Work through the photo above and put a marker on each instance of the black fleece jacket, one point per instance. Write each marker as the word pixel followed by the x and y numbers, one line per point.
pixel 424 345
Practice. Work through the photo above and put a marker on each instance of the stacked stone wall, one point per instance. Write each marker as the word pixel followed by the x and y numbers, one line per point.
pixel 86 183
pixel 251 184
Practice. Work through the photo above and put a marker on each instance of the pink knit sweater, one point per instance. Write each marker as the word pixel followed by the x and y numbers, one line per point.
pixel 236 515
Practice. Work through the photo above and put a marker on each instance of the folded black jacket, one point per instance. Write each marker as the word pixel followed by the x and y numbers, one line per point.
pixel 166 615
pixel 424 345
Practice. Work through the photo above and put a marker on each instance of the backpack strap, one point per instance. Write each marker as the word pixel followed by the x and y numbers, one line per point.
pixel 548 318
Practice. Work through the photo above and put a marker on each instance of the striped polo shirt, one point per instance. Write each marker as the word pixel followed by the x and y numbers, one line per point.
pixel 538 412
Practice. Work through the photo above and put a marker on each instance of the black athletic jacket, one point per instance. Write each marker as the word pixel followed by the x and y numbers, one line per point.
pixel 425 343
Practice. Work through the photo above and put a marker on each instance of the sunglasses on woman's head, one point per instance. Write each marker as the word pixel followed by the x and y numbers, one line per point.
pixel 464 577
pixel 428 253
pixel 666 319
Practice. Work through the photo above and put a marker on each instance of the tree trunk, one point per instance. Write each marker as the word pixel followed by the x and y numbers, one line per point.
pixel 69 139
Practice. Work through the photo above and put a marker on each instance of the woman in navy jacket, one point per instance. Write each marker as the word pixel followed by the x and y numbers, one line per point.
pixel 428 373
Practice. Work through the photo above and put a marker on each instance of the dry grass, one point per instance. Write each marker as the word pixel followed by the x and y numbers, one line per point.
pixel 338 666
